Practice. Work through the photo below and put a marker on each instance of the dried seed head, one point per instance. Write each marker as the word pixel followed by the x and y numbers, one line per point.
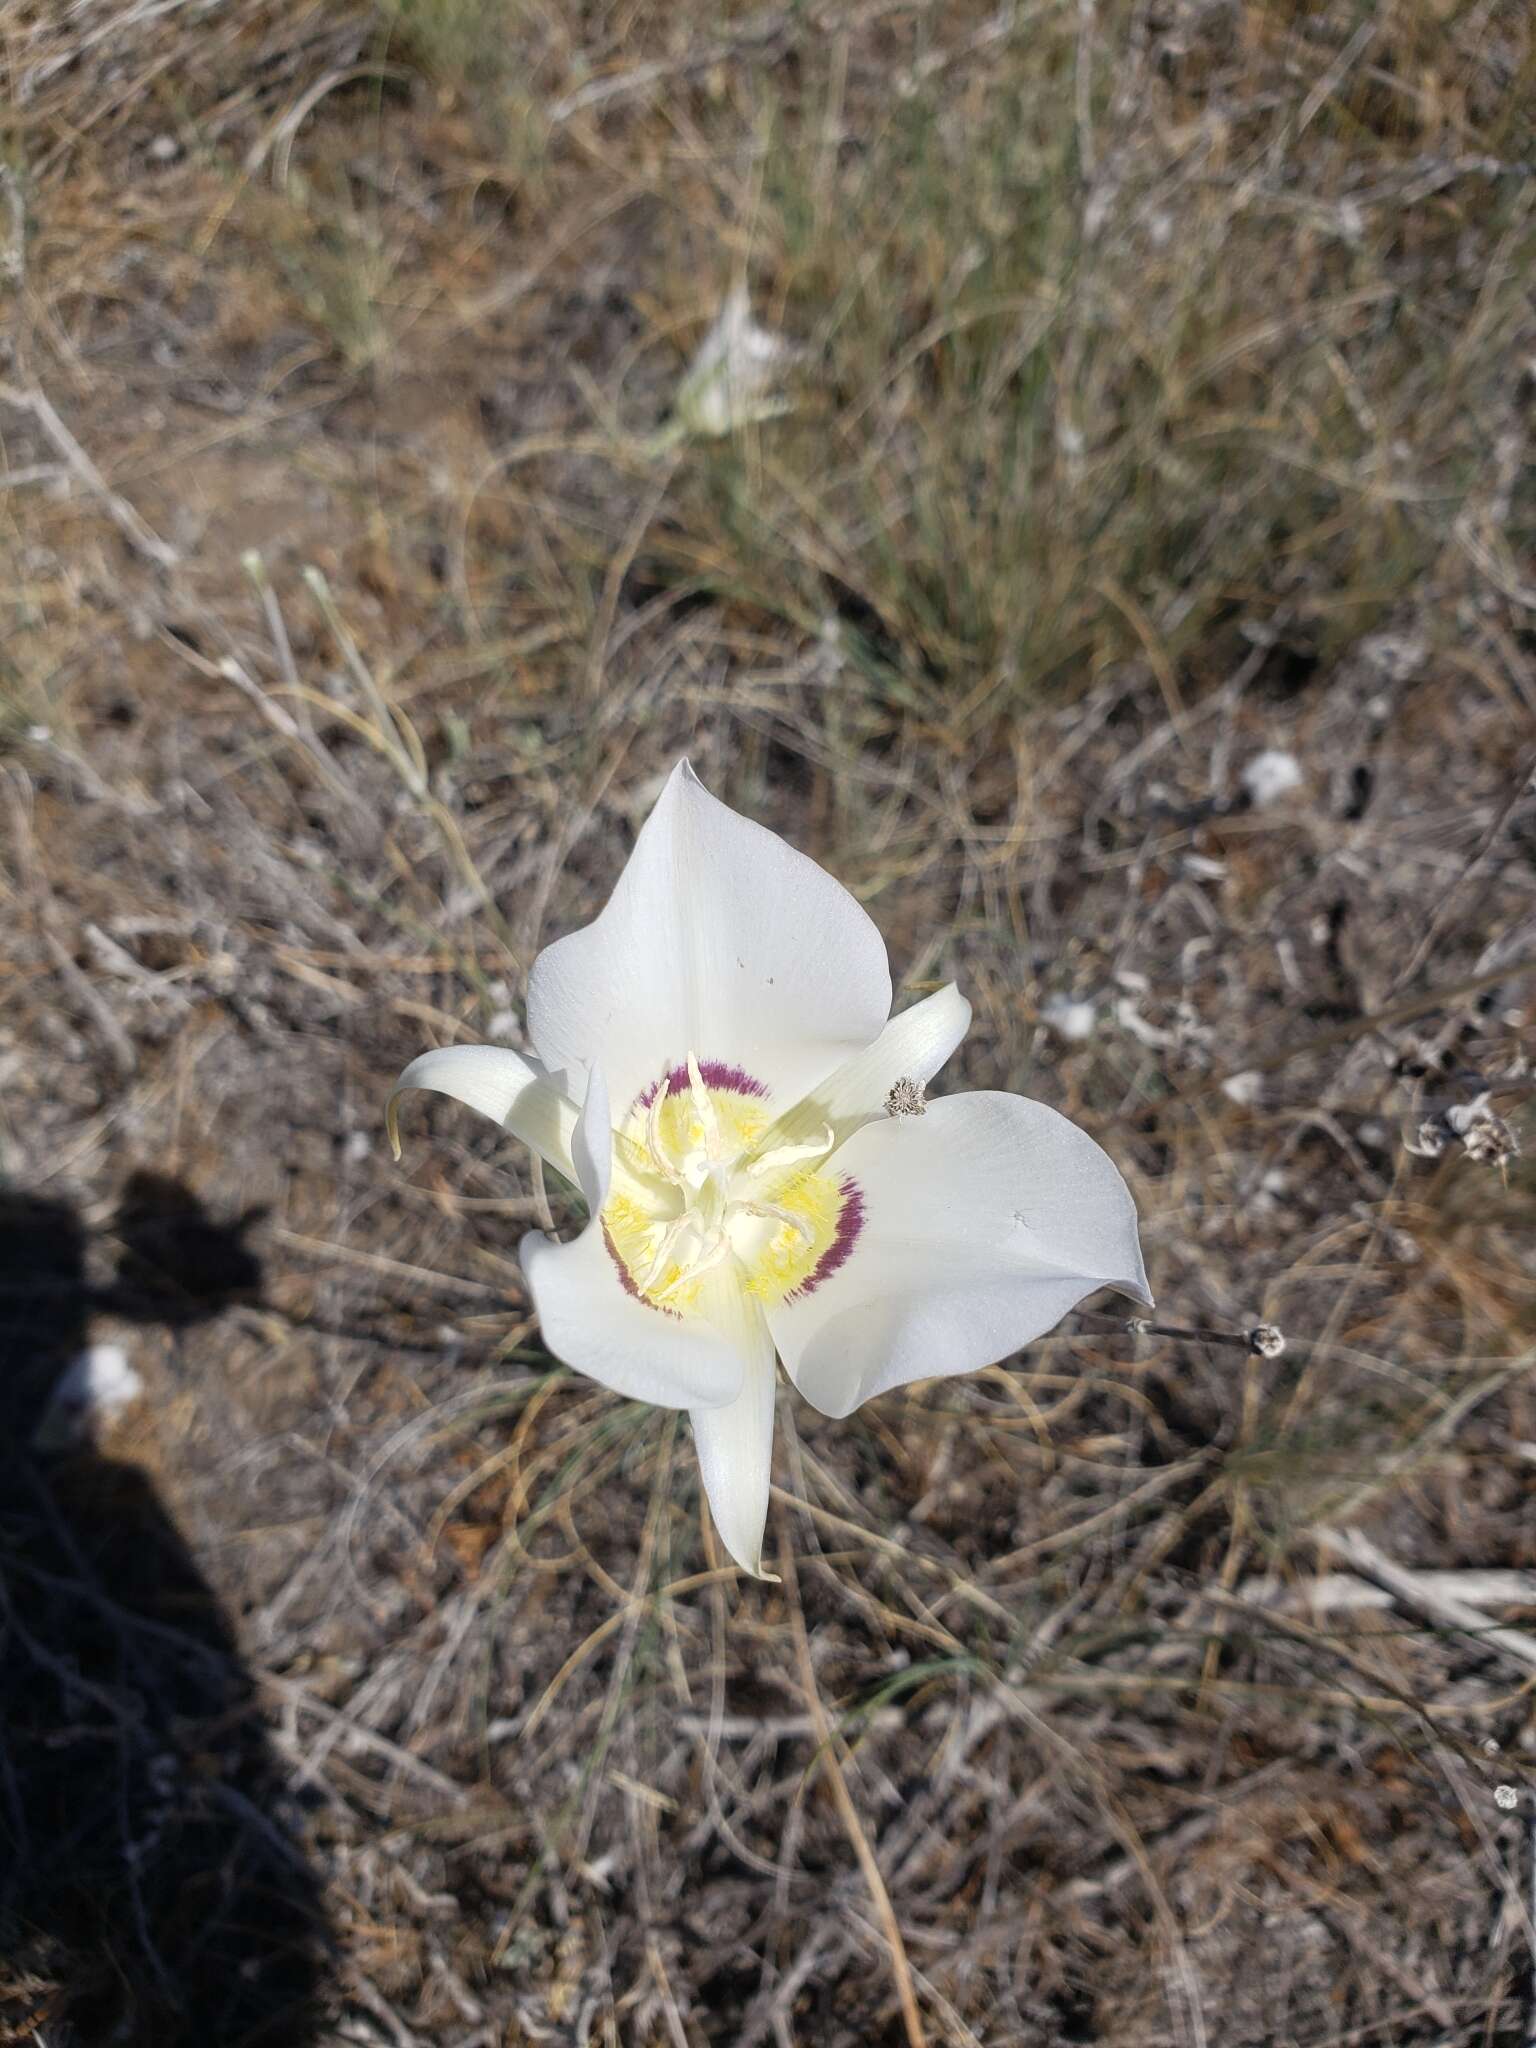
pixel 1487 1138
pixel 905 1099
pixel 1491 1143
pixel 1266 1340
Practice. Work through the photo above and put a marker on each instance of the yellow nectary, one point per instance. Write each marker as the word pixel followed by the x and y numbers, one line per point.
pixel 698 1181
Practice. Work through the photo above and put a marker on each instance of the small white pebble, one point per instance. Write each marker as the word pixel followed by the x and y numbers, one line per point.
pixel 1243 1089
pixel 163 150
pixel 101 1378
pixel 1070 1018
pixel 357 1147
pixel 1270 776
pixel 96 1386
pixel 1506 1797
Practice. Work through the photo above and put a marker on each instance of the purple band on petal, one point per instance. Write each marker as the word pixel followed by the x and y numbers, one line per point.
pixel 850 1221
pixel 627 1280
pixel 714 1073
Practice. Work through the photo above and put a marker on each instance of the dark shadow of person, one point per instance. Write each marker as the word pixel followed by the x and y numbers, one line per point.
pixel 153 1892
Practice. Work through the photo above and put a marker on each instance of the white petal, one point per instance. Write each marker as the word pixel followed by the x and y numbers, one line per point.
pixel 912 1047
pixel 512 1091
pixel 735 1443
pixel 592 1143
pixel 985 1221
pixel 592 1323
pixel 719 940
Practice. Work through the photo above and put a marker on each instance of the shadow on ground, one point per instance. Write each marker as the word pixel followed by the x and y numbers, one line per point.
pixel 152 1885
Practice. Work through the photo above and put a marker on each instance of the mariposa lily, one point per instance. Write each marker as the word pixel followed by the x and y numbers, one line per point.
pixel 731 380
pixel 717 1070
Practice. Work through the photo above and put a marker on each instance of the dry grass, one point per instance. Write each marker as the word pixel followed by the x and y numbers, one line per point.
pixel 1165 398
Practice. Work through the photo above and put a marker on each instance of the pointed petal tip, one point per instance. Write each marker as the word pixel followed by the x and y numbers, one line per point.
pixel 954 1273
pixel 1139 1288
pixel 718 934
pixel 735 1443
pixel 758 1571
pixel 1134 1287
pixel 500 1084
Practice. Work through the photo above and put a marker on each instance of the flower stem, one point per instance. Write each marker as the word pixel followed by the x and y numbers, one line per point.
pixel 1264 1340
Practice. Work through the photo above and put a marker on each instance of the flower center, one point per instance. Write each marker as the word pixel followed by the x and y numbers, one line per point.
pixel 697 1185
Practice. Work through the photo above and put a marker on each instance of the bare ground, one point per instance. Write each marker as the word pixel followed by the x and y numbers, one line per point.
pixel 1166 401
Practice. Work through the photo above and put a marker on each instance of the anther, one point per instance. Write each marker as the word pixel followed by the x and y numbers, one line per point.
pixel 771 1210
pixel 717 1247
pixel 704 1107
pixel 666 1251
pixel 783 1156
pixel 653 1138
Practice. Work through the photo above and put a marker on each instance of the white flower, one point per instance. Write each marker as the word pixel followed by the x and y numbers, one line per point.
pixel 730 380
pixel 718 1072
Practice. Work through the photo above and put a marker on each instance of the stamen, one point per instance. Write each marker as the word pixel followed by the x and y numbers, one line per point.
pixel 703 1104
pixel 716 1248
pixel 654 1142
pixel 782 1156
pixel 638 1158
pixel 666 1252
pixel 772 1210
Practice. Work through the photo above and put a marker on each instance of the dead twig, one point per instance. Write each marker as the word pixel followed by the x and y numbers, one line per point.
pixel 1416 1591
pixel 831 1749
pixel 139 533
